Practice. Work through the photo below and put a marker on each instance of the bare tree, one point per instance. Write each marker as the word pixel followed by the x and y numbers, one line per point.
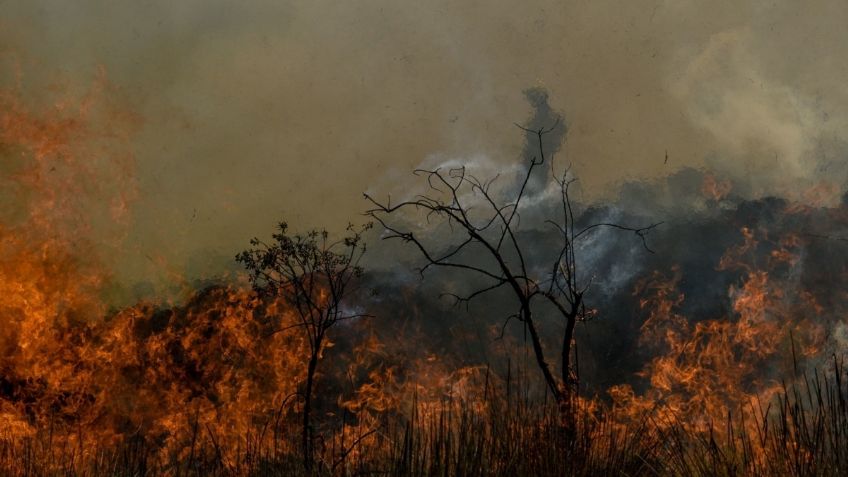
pixel 490 227
pixel 313 274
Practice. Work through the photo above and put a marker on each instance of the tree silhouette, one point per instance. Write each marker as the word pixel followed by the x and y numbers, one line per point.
pixel 313 275
pixel 490 246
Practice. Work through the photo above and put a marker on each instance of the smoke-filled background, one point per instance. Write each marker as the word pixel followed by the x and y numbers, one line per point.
pixel 248 112
pixel 143 144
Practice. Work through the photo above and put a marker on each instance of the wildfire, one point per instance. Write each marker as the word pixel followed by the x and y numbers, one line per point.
pixel 226 367
pixel 217 368
pixel 715 375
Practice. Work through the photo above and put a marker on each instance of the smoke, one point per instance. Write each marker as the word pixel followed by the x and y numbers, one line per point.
pixel 782 139
pixel 718 242
pixel 246 108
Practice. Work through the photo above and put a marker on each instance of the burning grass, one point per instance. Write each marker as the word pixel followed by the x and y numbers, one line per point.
pixel 212 387
pixel 804 431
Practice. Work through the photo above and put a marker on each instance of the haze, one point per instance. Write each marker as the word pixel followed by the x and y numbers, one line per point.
pixel 251 112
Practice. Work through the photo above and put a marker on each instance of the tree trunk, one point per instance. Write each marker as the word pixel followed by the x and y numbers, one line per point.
pixel 307 408
pixel 540 354
pixel 567 340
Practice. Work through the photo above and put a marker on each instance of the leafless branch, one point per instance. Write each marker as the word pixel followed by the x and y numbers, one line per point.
pixel 501 257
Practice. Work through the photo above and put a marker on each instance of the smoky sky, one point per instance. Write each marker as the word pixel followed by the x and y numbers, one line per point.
pixel 256 111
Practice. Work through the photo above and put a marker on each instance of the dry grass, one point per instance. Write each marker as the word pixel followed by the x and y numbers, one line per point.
pixel 802 433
